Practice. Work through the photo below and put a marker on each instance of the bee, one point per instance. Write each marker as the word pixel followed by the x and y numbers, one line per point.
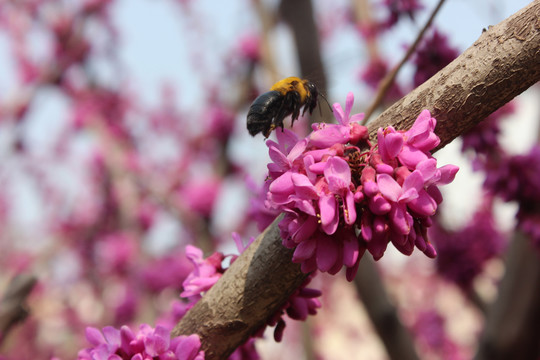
pixel 286 97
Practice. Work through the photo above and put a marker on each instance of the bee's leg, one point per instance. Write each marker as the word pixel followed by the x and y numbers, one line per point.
pixel 285 109
pixel 296 105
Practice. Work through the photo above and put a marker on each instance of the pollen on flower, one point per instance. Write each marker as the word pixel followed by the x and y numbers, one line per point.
pixel 340 200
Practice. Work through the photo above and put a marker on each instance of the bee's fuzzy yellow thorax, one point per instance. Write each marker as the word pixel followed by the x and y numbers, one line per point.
pixel 291 83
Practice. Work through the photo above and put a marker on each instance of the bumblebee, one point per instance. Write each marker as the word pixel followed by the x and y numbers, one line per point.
pixel 286 97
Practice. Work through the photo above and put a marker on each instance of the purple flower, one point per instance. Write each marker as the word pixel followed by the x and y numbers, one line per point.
pixel 432 55
pixel 462 254
pixel 347 130
pixel 168 271
pixel 249 47
pixel 206 273
pixel 429 332
pixel 199 195
pixel 374 72
pixel 400 8
pixel 258 211
pixel 148 343
pixel 517 178
pixel 115 251
pixel 339 201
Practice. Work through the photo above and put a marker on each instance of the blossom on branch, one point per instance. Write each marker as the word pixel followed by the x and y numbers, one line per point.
pixel 342 195
pixel 301 303
pixel 147 343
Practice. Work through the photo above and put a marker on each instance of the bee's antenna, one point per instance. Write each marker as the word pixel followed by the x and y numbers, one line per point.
pixel 325 100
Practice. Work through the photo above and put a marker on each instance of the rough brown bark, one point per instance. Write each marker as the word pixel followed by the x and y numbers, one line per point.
pixel 496 68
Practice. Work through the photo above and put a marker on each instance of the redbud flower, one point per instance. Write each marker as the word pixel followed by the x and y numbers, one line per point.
pixel 517 178
pixel 399 8
pixel 341 195
pixel 432 55
pixel 462 254
pixel 147 343
pixel 205 274
pixel 257 210
pixel 199 195
pixel 250 47
pixel 430 333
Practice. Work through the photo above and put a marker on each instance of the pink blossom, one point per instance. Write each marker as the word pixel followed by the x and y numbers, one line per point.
pixel 205 274
pixel 249 47
pixel 339 201
pixel 199 195
pixel 148 342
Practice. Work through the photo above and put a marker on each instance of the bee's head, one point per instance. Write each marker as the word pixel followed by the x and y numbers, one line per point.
pixel 311 88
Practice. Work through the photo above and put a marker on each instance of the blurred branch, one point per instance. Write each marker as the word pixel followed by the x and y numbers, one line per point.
pixel 474 297
pixel 267 21
pixel 398 342
pixel 513 324
pixel 362 14
pixel 388 80
pixel 298 14
pixel 501 64
pixel 12 305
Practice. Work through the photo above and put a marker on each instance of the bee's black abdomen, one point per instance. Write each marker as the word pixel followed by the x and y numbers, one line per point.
pixel 263 111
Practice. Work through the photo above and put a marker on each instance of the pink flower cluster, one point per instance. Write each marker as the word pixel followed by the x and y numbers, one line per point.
pixel 462 254
pixel 147 343
pixel 206 273
pixel 341 195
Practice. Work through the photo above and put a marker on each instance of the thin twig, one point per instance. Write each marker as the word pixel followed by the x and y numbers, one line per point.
pixel 387 81
pixel 12 304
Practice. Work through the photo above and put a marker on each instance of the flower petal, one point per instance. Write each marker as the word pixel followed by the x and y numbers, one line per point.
pixel 350 250
pixel 389 187
pixel 338 174
pixel 327 253
pixel 330 135
pixel 379 205
pixel 304 250
pixel 410 156
pixel 400 220
pixel 423 205
pixel 448 173
pixel 329 214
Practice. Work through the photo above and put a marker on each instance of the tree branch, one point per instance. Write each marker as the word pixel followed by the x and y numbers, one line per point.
pixel 513 321
pixel 298 15
pixel 12 304
pixel 397 341
pixel 500 65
